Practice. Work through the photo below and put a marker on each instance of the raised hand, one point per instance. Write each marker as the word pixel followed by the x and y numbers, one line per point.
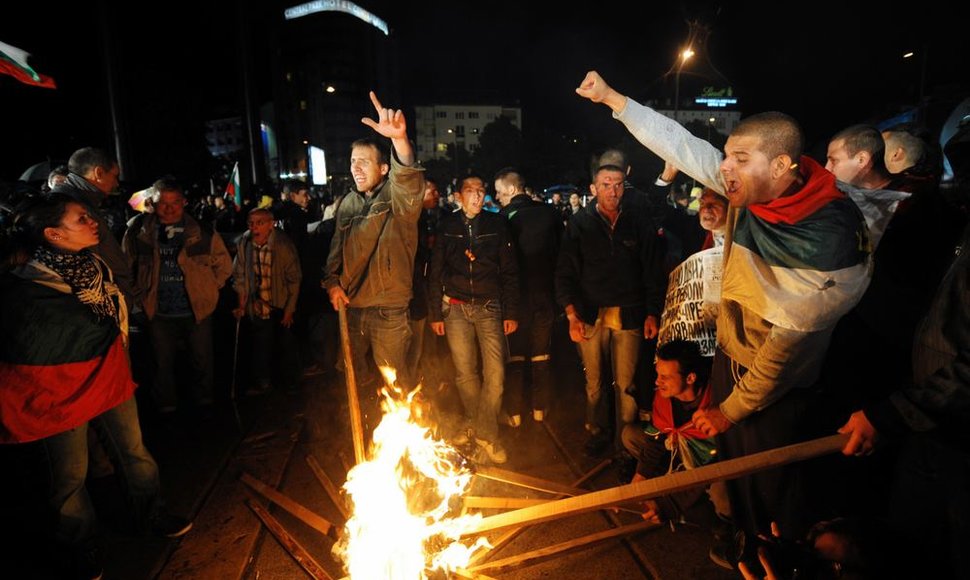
pixel 390 123
pixel 593 87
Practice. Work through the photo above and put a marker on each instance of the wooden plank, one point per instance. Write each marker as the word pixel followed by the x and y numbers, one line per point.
pixel 502 503
pixel 328 486
pixel 353 401
pixel 660 486
pixel 508 536
pixel 295 509
pixel 561 549
pixel 289 543
pixel 465 573
pixel 528 481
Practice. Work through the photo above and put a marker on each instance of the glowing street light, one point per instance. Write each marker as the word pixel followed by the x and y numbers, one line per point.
pixel 683 57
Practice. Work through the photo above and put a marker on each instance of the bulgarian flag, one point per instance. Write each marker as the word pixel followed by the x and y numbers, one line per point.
pixel 233 191
pixel 13 62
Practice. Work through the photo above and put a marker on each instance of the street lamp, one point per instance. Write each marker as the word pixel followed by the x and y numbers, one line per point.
pixel 682 59
pixel 454 150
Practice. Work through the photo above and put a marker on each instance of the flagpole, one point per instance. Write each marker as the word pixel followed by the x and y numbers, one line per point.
pixel 111 78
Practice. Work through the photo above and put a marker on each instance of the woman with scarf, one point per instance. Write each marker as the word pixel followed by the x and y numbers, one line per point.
pixel 64 367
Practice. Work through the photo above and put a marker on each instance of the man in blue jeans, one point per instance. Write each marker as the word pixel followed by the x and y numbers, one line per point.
pixel 474 298
pixel 371 260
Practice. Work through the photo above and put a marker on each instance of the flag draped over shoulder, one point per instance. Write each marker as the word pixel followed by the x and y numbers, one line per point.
pixel 13 62
pixel 233 191
pixel 800 261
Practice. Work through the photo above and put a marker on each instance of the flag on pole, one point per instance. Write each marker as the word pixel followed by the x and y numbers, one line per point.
pixel 13 62
pixel 233 190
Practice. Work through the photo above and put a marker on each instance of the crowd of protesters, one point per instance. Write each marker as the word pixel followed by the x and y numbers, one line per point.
pixel 840 308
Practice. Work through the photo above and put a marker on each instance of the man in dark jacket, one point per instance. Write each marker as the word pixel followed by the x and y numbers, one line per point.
pixel 474 298
pixel 93 175
pixel 536 229
pixel 610 281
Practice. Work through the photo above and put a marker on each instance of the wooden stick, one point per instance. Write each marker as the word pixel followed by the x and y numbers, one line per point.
pixel 542 554
pixel 353 401
pixel 292 547
pixel 510 535
pixel 466 573
pixel 665 485
pixel 502 503
pixel 298 511
pixel 328 486
pixel 527 481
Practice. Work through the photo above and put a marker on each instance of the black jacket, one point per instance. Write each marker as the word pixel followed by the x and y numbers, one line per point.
pixel 623 267
pixel 536 230
pixel 474 261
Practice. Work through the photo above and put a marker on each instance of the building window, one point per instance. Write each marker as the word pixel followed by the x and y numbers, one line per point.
pixel 459 130
pixel 472 114
pixel 460 115
pixel 441 114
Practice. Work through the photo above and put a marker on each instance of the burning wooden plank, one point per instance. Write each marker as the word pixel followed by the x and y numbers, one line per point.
pixel 502 503
pixel 660 486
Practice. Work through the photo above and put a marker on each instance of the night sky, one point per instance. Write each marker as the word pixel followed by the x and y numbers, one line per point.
pixel 829 66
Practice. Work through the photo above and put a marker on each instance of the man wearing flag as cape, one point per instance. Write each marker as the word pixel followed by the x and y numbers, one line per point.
pixel 796 258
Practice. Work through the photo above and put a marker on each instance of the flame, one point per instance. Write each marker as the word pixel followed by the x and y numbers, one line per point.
pixel 403 524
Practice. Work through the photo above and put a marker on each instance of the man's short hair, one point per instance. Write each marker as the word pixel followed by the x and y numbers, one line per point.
pixel 463 179
pixel 167 183
pixel 602 168
pixel 687 353
pixel 382 153
pixel 511 176
pixel 862 138
pixel 84 160
pixel 780 134
pixel 615 157
pixel 257 210
pixel 914 140
pixel 291 186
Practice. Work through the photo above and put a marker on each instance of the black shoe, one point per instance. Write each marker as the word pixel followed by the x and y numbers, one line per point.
pixel 728 545
pixel 169 526
pixel 626 466
pixel 596 445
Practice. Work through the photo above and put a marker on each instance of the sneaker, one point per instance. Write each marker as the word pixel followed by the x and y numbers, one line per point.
pixel 168 526
pixel 463 437
pixel 515 420
pixel 727 547
pixel 538 415
pixel 494 451
pixel 87 565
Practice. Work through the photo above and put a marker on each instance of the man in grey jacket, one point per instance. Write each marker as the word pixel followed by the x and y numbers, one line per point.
pixel 370 267
pixel 179 267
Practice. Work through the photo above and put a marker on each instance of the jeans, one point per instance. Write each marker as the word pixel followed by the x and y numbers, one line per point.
pixel 529 349
pixel 67 458
pixel 166 332
pixel 623 348
pixel 384 331
pixel 468 326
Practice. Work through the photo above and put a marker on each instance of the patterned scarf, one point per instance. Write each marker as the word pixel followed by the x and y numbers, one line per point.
pixel 84 275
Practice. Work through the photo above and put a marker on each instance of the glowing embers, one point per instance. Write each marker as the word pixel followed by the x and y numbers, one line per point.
pixel 404 522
